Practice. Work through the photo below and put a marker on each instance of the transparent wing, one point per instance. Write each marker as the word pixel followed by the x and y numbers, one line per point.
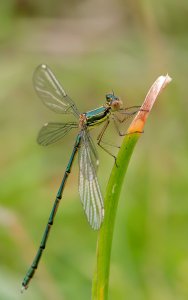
pixel 89 189
pixel 93 151
pixel 51 92
pixel 53 132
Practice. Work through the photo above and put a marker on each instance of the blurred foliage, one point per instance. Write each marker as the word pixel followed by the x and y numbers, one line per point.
pixel 94 47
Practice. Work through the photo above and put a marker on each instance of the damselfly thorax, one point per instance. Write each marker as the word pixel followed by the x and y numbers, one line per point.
pixel 99 115
pixel 94 117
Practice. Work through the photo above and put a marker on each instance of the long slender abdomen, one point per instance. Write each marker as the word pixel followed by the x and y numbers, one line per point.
pixel 30 273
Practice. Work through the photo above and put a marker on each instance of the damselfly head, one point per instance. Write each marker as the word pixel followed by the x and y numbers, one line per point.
pixel 111 97
pixel 113 101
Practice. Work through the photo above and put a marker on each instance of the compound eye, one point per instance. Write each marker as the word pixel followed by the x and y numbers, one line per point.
pixel 108 98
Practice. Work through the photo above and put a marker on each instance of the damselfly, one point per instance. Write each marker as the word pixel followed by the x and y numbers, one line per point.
pixel 54 97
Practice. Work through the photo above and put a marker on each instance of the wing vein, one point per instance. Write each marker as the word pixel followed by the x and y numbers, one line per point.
pixel 89 189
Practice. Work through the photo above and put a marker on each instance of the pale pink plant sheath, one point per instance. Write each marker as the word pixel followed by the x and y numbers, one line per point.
pixel 138 122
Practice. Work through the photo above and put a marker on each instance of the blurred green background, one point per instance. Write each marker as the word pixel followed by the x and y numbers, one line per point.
pixel 94 47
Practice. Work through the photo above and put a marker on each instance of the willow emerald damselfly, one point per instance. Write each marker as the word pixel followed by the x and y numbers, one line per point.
pixel 54 97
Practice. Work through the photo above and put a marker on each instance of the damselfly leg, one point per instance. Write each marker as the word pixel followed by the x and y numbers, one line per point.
pixel 126 114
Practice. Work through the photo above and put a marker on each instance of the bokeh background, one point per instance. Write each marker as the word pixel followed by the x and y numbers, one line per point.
pixel 94 47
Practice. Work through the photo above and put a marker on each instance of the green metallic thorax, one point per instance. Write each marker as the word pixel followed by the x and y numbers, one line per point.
pixel 97 116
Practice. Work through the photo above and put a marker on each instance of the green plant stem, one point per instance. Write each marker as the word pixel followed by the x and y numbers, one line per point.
pixel 101 276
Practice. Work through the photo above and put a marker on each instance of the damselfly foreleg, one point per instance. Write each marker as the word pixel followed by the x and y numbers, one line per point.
pixel 124 116
pixel 116 120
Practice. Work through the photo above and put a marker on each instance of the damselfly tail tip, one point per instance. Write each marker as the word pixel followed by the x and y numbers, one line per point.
pixel 23 288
